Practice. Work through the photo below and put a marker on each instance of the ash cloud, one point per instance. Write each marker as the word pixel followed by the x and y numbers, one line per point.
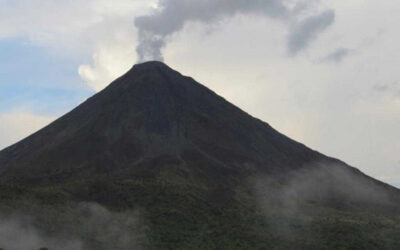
pixel 76 227
pixel 171 16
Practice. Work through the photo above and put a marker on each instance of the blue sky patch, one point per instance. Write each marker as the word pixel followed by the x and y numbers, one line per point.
pixel 33 77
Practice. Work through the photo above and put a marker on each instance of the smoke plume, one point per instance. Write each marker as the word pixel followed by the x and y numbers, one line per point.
pixel 171 16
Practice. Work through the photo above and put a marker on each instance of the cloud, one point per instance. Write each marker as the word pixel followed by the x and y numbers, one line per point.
pixel 391 89
pixel 307 30
pixel 85 225
pixel 15 125
pixel 381 88
pixel 285 200
pixel 102 35
pixel 99 35
pixel 326 184
pixel 171 16
pixel 338 55
pixel 16 234
pixel 110 60
pixel 71 25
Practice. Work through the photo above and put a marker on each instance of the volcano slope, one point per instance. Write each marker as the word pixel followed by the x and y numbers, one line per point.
pixel 172 165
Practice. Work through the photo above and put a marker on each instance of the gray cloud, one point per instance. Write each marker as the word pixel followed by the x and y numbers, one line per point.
pixel 338 55
pixel 171 16
pixel 390 88
pixel 380 88
pixel 307 30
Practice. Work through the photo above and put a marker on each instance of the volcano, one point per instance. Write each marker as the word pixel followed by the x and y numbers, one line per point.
pixel 205 174
pixel 146 119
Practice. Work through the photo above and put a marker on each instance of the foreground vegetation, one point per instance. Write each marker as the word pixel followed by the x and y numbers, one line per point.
pixel 166 215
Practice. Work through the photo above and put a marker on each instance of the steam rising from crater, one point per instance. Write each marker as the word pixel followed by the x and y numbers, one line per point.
pixel 171 16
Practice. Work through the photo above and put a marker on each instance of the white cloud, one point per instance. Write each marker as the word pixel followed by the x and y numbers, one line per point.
pixel 18 124
pixel 65 24
pixel 111 58
pixel 109 62
pixel 101 29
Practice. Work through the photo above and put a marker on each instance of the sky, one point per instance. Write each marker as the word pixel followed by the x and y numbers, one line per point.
pixel 324 73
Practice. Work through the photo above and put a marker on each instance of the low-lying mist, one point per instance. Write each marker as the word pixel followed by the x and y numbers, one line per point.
pixel 73 227
pixel 333 185
pixel 323 202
